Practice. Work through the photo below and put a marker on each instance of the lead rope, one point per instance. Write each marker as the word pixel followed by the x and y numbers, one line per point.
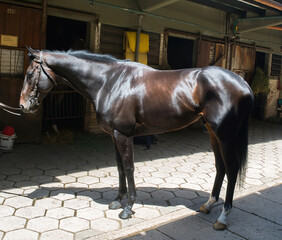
pixel 8 109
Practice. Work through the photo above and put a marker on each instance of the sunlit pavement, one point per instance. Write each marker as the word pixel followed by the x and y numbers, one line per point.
pixel 62 190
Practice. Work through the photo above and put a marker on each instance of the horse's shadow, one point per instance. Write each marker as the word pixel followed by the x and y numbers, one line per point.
pixel 144 196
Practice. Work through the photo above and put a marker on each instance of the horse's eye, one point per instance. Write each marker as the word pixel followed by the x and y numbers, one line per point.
pixel 29 75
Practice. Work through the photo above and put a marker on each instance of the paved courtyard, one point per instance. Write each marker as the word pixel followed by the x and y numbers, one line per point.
pixel 62 190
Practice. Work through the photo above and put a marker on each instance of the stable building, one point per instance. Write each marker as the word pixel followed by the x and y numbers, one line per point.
pixel 239 35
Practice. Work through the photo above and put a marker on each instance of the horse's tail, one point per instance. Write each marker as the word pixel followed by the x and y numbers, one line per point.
pixel 243 139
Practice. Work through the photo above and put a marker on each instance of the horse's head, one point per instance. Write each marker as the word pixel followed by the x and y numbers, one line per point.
pixel 38 81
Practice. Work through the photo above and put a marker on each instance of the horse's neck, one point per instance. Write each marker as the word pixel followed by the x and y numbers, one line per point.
pixel 84 76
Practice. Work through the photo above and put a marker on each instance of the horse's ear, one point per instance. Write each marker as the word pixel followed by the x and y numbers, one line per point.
pixel 32 53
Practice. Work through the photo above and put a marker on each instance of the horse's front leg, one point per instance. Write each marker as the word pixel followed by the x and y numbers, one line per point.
pixel 125 147
pixel 122 182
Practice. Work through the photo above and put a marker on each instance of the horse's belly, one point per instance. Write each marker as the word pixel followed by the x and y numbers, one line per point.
pixel 160 123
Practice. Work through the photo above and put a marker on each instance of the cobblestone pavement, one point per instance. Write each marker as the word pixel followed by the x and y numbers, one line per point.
pixel 62 191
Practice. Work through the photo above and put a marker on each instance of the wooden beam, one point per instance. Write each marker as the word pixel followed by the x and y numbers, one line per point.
pixel 275 28
pixel 253 2
pixel 271 3
pixel 219 6
pixel 156 4
pixel 243 6
pixel 252 24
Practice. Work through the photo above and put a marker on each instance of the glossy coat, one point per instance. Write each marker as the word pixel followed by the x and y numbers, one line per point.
pixel 132 99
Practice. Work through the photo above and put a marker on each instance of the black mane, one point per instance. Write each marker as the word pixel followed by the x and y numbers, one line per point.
pixel 92 56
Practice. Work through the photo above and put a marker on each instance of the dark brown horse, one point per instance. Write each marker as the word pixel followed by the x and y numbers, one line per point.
pixel 132 99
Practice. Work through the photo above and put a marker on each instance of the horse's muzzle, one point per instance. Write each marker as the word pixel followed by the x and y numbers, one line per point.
pixel 31 106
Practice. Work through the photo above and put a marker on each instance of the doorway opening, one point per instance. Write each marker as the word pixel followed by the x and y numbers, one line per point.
pixel 63 107
pixel 180 52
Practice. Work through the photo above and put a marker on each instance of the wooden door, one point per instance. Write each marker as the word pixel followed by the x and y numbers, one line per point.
pixel 243 62
pixel 24 27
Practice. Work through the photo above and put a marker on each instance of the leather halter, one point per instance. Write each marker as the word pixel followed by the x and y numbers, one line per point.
pixel 34 98
pixel 40 61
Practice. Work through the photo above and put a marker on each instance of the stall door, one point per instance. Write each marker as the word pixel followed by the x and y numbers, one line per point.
pixel 19 27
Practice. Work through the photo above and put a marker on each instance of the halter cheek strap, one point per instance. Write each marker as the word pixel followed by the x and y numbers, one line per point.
pixel 45 72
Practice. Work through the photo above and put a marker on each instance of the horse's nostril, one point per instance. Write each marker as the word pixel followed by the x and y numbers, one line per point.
pixel 21 106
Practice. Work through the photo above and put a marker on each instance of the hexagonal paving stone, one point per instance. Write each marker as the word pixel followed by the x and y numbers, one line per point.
pixel 42 179
pixel 56 234
pixel 18 202
pixel 46 165
pixel 180 201
pixel 110 195
pixel 160 174
pixel 66 179
pixel 141 196
pixel 10 170
pixel 142 174
pixel 6 184
pixel 75 173
pixel 166 169
pixel 42 224
pixel 18 178
pixel 253 181
pixel 97 173
pixel 23 234
pixel 11 223
pixel 146 213
pixel 154 180
pixel 171 164
pixel 55 172
pixel 76 203
pixel 37 193
pixel 30 212
pixel 162 194
pixel 191 186
pixel 48 203
pixel 60 213
pixel 105 225
pixel 90 213
pixel 63 194
pixel 6 211
pixel 180 174
pixel 74 224
pixel 88 179
pixel 109 180
pixel 89 195
pixel 26 185
pixel 147 169
pixel 77 187
pixel 175 180
pixel 185 194
pixel 32 172
pixel 195 180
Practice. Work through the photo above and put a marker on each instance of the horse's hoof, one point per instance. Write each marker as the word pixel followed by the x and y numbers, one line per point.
pixel 126 213
pixel 115 205
pixel 219 226
pixel 204 209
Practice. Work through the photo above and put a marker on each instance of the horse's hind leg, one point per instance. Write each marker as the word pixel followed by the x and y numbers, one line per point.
pixel 125 147
pixel 122 182
pixel 220 173
pixel 232 168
